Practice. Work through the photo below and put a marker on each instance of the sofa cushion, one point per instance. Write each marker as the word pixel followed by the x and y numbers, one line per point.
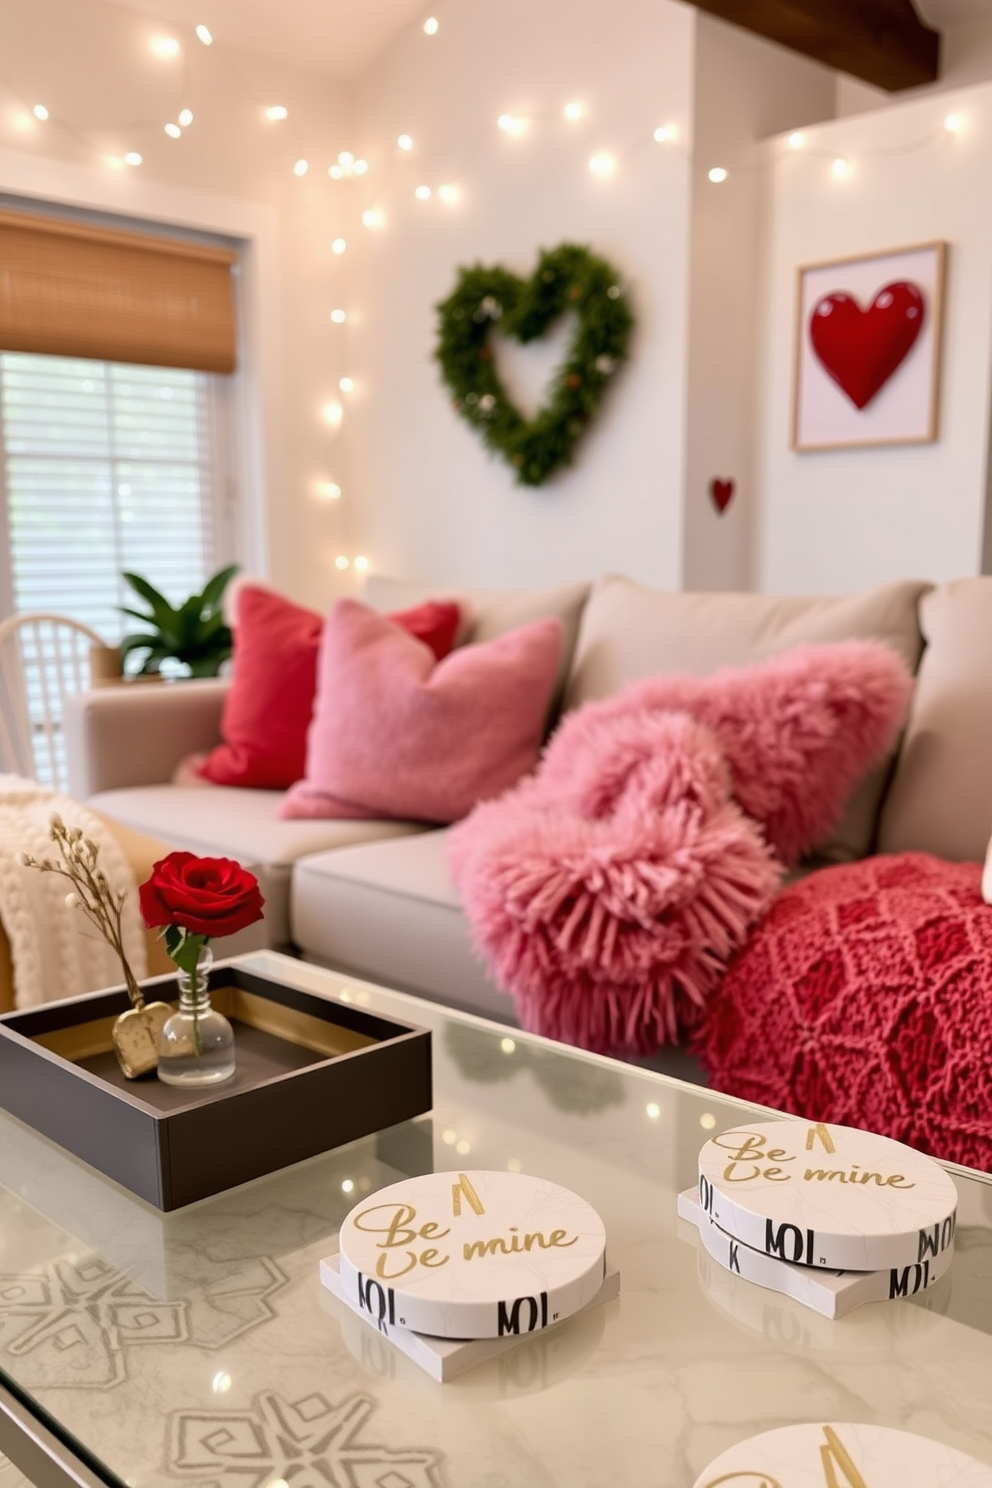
pixel 488 613
pixel 238 823
pixel 397 734
pixel 270 703
pixel 940 800
pixel 388 911
pixel 628 631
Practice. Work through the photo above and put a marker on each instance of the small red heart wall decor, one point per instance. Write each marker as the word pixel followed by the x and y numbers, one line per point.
pixel 721 493
pixel 861 349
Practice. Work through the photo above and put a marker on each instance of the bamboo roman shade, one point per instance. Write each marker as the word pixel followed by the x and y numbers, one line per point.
pixel 68 289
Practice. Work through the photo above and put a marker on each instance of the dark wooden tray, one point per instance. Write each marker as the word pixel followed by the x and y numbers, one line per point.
pixel 312 1074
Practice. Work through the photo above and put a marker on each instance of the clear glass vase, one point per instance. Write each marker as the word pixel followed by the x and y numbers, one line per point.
pixel 196 1044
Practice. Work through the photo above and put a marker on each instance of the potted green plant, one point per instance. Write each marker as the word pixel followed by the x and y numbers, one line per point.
pixel 194 634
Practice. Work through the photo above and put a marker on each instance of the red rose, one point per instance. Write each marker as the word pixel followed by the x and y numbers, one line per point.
pixel 204 896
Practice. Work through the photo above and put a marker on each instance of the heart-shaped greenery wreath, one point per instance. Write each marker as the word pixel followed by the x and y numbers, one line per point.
pixel 566 278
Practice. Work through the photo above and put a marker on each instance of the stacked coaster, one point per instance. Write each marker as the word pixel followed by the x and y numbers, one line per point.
pixel 829 1215
pixel 455 1267
pixel 849 1453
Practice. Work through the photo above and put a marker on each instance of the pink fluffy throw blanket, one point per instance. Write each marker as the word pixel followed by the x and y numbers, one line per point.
pixel 608 891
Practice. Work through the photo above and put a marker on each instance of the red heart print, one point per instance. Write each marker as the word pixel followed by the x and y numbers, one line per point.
pixel 860 349
pixel 722 493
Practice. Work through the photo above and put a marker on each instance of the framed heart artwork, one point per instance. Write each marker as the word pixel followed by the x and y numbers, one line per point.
pixel 867 349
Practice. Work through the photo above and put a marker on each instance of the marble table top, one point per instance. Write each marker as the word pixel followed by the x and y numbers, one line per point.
pixel 200 1348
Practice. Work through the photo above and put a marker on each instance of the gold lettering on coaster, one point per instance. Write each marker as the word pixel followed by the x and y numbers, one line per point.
pixel 749 1155
pixel 464 1186
pixel 402 1231
pixel 516 1244
pixel 854 1174
pixel 820 1133
pixel 834 1453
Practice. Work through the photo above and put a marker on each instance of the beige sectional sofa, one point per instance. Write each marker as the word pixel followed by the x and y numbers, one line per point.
pixel 376 898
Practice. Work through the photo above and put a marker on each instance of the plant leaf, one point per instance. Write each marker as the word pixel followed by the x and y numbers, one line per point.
pixel 213 590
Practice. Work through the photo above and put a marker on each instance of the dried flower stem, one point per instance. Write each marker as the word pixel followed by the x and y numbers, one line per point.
pixel 91 892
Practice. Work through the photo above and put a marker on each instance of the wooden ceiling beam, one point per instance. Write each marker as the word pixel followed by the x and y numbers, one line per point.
pixel 883 42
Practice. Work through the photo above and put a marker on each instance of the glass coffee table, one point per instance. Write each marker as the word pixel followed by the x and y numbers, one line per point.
pixel 200 1348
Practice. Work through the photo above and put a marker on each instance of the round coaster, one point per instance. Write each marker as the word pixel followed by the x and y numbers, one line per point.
pixel 854 1455
pixel 832 1293
pixel 828 1196
pixel 473 1255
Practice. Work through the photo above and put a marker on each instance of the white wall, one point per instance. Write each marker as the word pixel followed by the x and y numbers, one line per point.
pixel 434 504
pixel 231 173
pixel 746 89
pixel 841 520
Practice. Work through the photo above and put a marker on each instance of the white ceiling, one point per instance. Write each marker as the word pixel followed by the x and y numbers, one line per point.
pixel 341 37
pixel 336 37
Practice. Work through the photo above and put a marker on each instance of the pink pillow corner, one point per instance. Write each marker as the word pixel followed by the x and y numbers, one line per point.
pixel 398 735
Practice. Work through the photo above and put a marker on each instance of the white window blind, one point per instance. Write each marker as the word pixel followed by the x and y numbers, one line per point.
pixel 105 466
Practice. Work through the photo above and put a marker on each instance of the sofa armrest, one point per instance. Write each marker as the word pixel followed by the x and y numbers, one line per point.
pixel 136 734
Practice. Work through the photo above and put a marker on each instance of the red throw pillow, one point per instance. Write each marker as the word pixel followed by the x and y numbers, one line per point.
pixel 864 998
pixel 397 735
pixel 271 699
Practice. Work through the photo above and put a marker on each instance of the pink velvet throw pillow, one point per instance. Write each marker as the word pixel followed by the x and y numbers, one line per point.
pixel 271 699
pixel 399 735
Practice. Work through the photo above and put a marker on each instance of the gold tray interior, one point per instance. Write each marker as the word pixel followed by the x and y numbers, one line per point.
pixel 270 1039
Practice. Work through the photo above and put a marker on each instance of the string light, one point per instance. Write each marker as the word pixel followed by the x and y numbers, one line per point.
pixel 203 32
pixel 839 167
pixel 717 174
pixel 40 112
pixel 361 563
pixel 448 193
pixel 347 385
pixel 360 167
pixel 301 167
pixel 165 46
pixel 512 124
pixel 371 218
pixel 952 123
pixel 335 172
pixel 665 132
pixel 332 413
pixel 796 140
pixel 431 26
pixel 423 193
pixel 338 246
pixel 132 158
pixel 276 112
pixel 186 117
pixel 346 160
pixel 405 142
pixel 173 131
pixel 603 163
pixel 339 316
pixel 573 111
pixel 341 562
pixel 330 490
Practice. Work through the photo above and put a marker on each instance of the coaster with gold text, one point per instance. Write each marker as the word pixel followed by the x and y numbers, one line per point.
pixel 473 1255
pixel 843 1455
pixel 828 1196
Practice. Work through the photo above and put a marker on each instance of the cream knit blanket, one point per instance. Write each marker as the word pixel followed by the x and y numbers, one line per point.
pixel 55 950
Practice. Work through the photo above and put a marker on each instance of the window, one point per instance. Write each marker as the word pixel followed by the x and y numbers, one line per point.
pixel 104 466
